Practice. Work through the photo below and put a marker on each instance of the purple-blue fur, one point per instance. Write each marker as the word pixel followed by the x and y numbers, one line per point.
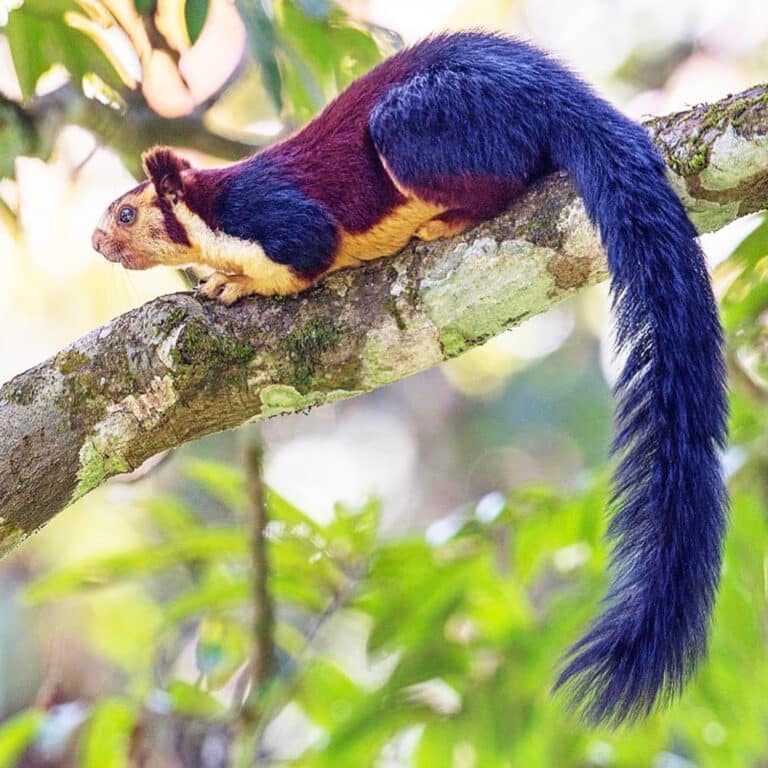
pixel 254 200
pixel 260 204
pixel 466 120
pixel 489 106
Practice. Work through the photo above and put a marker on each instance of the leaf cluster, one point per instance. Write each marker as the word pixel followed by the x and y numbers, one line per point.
pixel 430 649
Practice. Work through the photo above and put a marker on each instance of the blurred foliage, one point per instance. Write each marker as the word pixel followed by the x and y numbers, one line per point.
pixel 151 61
pixel 452 636
pixel 309 51
pixel 744 304
pixel 39 37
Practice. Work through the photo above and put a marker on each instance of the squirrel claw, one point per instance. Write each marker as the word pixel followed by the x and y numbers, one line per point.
pixel 212 285
pixel 226 289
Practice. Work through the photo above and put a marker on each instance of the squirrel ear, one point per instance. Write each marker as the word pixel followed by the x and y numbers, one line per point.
pixel 163 168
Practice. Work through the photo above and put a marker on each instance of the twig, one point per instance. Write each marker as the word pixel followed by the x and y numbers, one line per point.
pixel 263 656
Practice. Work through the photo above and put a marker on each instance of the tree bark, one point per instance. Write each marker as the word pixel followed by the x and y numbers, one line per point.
pixel 180 367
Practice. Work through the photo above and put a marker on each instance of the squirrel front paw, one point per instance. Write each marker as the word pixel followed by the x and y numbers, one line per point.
pixel 227 289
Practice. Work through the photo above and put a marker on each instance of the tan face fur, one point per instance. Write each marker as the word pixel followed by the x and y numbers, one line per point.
pixel 132 232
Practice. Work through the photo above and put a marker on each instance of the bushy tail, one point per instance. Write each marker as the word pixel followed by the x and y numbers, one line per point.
pixel 669 503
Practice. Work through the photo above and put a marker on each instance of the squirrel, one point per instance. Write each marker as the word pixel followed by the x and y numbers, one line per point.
pixel 441 136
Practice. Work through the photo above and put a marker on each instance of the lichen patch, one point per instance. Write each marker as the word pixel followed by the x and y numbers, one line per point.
pixel 734 159
pixel 167 351
pixel 706 215
pixel 151 406
pixel 103 453
pixel 390 352
pixel 282 398
pixel 484 287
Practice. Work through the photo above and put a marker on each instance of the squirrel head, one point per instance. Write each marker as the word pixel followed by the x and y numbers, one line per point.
pixel 141 228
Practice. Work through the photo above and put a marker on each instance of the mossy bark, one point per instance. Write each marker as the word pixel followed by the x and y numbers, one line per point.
pixel 179 367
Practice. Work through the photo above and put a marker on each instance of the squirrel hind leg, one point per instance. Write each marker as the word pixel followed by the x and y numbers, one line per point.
pixel 449 161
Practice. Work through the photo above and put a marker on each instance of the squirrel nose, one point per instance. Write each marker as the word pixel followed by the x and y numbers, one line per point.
pixel 97 240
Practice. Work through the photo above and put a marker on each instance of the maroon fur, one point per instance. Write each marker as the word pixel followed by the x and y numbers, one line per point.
pixel 475 197
pixel 202 191
pixel 333 159
pixel 173 227
pixel 163 168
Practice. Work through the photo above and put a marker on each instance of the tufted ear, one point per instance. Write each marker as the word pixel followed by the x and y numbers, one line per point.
pixel 163 168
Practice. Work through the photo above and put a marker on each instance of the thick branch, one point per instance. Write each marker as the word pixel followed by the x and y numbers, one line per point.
pixel 179 367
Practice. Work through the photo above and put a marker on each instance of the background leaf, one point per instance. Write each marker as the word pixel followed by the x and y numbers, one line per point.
pixel 195 13
pixel 16 734
pixel 107 734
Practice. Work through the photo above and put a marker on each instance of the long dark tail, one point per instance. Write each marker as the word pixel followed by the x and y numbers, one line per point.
pixel 669 503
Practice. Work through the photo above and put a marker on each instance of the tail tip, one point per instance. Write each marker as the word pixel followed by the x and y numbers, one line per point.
pixel 612 681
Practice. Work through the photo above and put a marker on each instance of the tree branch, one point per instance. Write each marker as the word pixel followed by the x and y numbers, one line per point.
pixel 32 129
pixel 179 367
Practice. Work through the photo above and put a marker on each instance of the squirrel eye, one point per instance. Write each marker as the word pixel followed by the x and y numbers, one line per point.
pixel 126 215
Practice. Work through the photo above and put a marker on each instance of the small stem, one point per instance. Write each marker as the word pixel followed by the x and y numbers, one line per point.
pixel 263 659
pixel 250 719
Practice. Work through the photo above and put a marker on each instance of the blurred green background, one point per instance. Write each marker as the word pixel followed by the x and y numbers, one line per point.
pixel 435 546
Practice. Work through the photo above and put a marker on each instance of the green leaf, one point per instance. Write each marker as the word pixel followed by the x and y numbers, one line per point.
pixel 39 37
pixel 223 482
pixel 289 638
pixel 217 591
pixel 222 647
pixel 358 740
pixel 27 37
pixel 16 138
pixel 280 509
pixel 234 592
pixel 105 742
pixel 745 296
pixel 261 37
pixel 437 745
pixel 122 624
pixel 172 516
pixel 318 50
pixel 145 7
pixel 17 733
pixel 410 595
pixel 352 532
pixel 195 13
pixel 743 307
pixel 299 593
pixel 326 694
pixel 301 91
pixel 293 559
pixel 190 701
pixel 207 545
pixel 334 49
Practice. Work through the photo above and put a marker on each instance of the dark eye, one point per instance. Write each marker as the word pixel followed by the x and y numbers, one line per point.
pixel 126 215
